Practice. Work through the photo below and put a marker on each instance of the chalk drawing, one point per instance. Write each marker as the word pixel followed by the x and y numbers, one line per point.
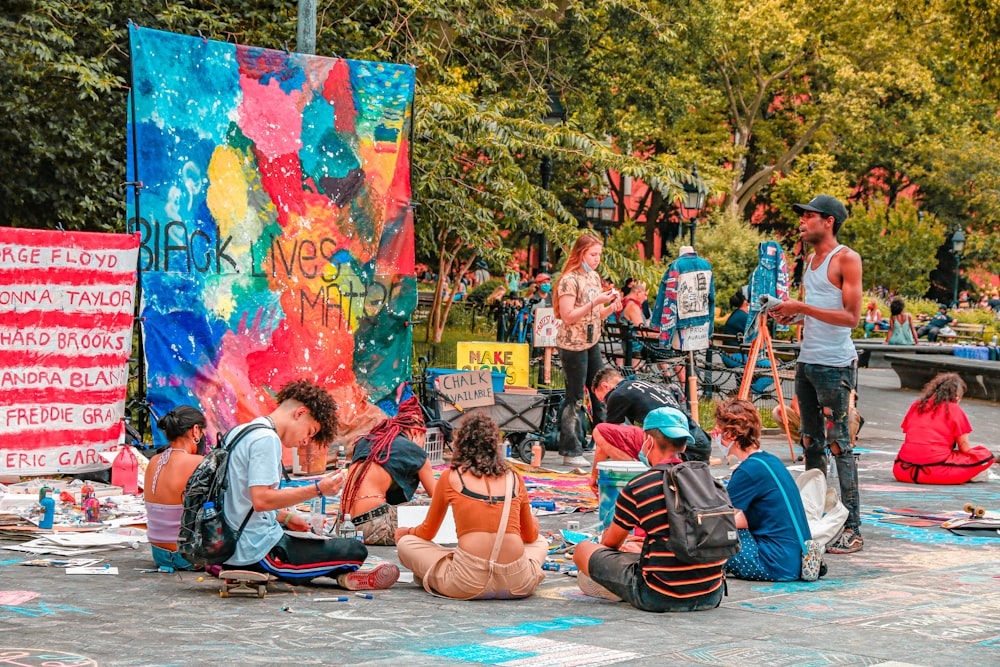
pixel 765 656
pixel 537 652
pixel 539 627
pixel 37 657
pixel 16 597
pixel 42 610
pixel 11 561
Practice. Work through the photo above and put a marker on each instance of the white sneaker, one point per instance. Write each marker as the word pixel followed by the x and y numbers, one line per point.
pixel 575 461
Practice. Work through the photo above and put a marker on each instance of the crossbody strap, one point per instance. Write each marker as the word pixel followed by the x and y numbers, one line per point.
pixel 788 504
pixel 504 518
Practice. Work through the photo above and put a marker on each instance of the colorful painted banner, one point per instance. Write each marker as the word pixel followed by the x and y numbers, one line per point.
pixel 67 304
pixel 277 233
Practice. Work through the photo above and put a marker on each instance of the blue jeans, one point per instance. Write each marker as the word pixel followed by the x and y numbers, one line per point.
pixel 172 559
pixel 579 369
pixel 829 387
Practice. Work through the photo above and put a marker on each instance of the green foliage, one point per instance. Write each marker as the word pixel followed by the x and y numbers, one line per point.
pixel 477 295
pixel 897 246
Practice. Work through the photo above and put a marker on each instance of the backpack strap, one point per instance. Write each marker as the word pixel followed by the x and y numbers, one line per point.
pixel 788 504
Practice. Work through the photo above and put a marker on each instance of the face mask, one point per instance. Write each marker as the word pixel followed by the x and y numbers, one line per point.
pixel 717 442
pixel 587 268
pixel 643 459
pixel 545 287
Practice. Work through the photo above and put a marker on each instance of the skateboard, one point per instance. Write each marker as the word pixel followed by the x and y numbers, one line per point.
pixel 243 582
pixel 977 521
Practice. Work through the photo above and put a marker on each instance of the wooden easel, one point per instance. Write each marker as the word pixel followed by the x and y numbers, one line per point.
pixel 763 339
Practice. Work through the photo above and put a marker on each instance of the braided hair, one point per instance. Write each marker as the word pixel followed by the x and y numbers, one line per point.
pixel 410 415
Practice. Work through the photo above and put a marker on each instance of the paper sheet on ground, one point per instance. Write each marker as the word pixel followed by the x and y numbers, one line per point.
pixel 413 515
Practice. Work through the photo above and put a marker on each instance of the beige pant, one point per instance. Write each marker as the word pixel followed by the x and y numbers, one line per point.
pixel 453 573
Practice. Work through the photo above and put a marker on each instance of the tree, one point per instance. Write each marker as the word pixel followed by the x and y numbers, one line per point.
pixel 897 246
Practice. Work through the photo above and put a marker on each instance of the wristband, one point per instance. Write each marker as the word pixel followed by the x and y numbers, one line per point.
pixel 319 492
pixel 288 517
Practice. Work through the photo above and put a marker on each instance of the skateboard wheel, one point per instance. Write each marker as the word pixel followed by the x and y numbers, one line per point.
pixel 980 512
pixel 969 507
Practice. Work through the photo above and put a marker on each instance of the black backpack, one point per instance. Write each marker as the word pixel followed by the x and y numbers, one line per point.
pixel 701 515
pixel 210 540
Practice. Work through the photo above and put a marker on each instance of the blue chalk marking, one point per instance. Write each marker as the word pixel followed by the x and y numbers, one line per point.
pixel 43 609
pixel 481 653
pixel 538 628
pixel 10 562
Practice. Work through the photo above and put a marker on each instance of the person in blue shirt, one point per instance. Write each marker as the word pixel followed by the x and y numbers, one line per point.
pixel 770 549
pixel 736 323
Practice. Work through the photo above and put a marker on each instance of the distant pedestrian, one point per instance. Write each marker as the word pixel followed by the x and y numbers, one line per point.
pixel 873 317
pixel 933 328
pixel 901 329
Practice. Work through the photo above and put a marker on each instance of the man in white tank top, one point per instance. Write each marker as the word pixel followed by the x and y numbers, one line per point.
pixel 826 372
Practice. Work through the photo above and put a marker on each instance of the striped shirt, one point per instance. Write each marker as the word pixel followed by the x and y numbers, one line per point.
pixel 641 504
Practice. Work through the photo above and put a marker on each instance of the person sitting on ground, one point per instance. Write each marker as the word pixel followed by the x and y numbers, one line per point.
pixel 500 553
pixel 627 403
pixel 936 447
pixel 306 413
pixel 166 478
pixel 736 323
pixel 873 317
pixel 386 466
pixel 901 329
pixel 941 320
pixel 770 548
pixel 653 580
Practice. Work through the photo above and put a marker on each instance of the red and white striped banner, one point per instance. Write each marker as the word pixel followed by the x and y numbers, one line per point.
pixel 66 310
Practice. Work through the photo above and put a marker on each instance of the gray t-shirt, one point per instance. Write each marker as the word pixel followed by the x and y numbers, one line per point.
pixel 255 461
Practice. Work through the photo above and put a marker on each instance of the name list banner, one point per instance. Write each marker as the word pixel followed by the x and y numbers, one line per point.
pixel 67 304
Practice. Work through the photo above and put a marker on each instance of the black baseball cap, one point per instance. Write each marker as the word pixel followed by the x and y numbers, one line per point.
pixel 826 205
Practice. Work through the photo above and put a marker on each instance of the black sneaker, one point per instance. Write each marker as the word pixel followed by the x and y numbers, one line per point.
pixel 848 542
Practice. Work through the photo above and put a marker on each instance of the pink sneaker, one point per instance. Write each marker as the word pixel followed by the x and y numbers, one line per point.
pixel 370 578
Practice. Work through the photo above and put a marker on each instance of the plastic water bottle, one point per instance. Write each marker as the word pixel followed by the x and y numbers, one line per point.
pixel 208 510
pixel 348 531
pixel 48 511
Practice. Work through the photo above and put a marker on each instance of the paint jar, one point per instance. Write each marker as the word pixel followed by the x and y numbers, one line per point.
pixel 48 511
pixel 92 510
pixel 573 525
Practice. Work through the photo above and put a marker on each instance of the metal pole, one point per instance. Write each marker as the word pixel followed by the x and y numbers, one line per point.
pixel 545 170
pixel 694 223
pixel 958 262
pixel 306 27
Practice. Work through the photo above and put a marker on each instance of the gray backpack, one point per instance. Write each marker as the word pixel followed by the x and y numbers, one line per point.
pixel 701 515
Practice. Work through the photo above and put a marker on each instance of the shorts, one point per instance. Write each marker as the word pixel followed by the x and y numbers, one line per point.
pixel 624 437
pixel 378 526
pixel 171 559
pixel 620 573
pixel 453 573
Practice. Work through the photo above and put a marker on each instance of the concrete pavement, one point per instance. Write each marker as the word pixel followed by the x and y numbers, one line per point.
pixel 916 595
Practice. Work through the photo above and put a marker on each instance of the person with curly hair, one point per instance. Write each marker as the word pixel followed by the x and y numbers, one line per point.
pixel 306 413
pixel 500 552
pixel 936 447
pixel 766 513
pixel 166 478
pixel 386 466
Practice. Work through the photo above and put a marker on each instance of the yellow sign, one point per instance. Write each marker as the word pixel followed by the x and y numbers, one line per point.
pixel 511 358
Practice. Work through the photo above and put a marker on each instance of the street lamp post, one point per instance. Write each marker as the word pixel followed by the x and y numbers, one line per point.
pixel 600 213
pixel 957 249
pixel 555 114
pixel 693 201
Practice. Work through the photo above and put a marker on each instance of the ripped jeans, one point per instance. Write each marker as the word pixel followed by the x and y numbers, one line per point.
pixel 818 387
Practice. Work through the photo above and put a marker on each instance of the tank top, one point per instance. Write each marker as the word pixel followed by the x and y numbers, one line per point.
pixel 822 343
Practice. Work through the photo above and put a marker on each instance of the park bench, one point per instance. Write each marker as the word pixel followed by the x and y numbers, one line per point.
pixel 637 352
pixel 721 369
pixel 973 333
pixel 873 353
pixel 982 378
